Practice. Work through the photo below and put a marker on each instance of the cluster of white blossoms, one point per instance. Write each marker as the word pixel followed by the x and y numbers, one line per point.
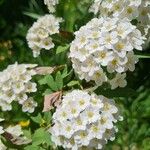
pixel 15 83
pixel 84 121
pixel 16 132
pixel 51 4
pixel 103 50
pixel 38 36
pixel 131 9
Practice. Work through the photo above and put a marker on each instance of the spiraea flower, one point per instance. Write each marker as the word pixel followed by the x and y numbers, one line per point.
pixel 103 49
pixel 17 135
pixel 51 4
pixel 38 36
pixel 84 121
pixel 15 84
pixel 131 9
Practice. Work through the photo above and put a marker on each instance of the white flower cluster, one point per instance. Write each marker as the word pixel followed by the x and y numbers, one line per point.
pixel 16 133
pixel 51 4
pixel 103 50
pixel 38 36
pixel 84 121
pixel 131 9
pixel 15 84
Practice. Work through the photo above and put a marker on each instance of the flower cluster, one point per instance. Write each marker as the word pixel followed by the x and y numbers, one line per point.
pixel 16 133
pixel 131 9
pixel 51 4
pixel 103 50
pixel 15 84
pixel 84 121
pixel 38 36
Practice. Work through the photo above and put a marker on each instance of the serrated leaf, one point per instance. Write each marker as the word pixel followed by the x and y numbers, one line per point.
pixel 37 119
pixel 41 136
pixel 42 81
pixel 61 49
pixel 59 80
pixel 27 133
pixel 47 117
pixel 47 91
pixel 51 83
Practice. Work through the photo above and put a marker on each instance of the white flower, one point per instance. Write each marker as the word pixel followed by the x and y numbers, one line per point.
pixel 82 137
pixel 18 87
pixel 5 106
pixel 101 48
pixel 16 84
pixel 87 126
pixel 91 114
pixel 96 131
pixel 106 121
pixel 51 4
pixel 108 105
pixel 14 130
pixel 132 59
pixel 99 77
pixel 29 105
pixel 38 36
pixel 67 129
pixel 118 81
pixel 109 39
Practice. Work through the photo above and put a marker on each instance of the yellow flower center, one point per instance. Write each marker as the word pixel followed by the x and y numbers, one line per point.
pixel 90 114
pixel 81 102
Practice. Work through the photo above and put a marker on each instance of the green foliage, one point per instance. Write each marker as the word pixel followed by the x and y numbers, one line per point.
pixel 61 49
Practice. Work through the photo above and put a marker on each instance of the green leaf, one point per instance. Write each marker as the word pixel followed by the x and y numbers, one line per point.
pixel 32 15
pixel 27 133
pixel 61 49
pixel 43 81
pixel 119 92
pixel 41 136
pixel 33 147
pixel 72 83
pixel 59 80
pixel 51 83
pixel 49 80
pixel 65 72
pixel 47 117
pixel 47 91
pixel 37 119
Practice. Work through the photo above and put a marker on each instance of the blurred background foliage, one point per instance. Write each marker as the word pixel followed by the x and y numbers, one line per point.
pixel 16 17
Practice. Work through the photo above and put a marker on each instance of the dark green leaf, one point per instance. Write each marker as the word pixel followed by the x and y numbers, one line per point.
pixel 51 83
